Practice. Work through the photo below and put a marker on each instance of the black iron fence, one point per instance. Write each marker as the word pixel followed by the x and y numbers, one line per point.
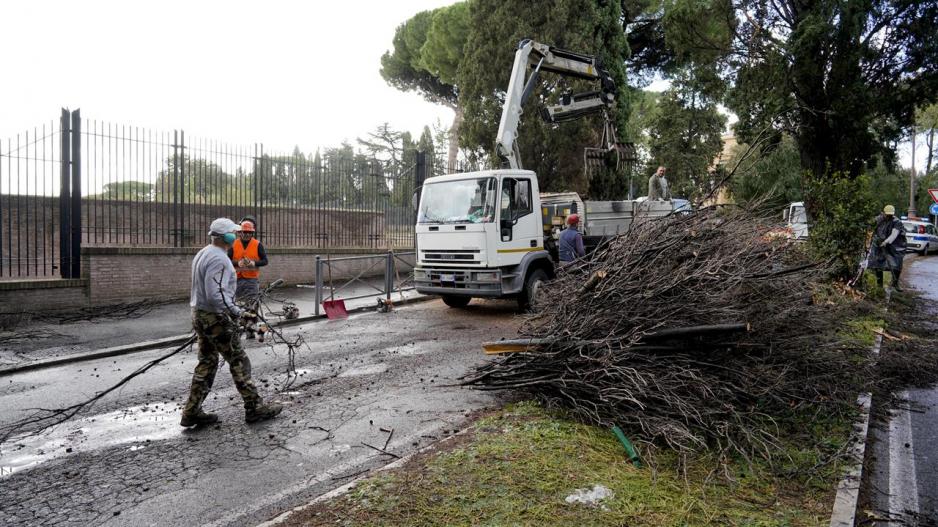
pixel 93 183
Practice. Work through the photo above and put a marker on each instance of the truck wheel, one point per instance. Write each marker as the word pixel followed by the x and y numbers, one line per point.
pixel 531 287
pixel 456 301
pixel 924 250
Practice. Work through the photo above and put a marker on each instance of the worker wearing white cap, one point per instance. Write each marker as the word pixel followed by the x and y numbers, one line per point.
pixel 215 321
pixel 887 247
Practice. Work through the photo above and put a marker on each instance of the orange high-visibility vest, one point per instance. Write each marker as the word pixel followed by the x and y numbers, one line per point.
pixel 238 251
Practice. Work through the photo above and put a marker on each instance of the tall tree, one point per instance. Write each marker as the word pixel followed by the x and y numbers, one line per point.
pixel 588 26
pixel 426 55
pixel 686 136
pixel 926 121
pixel 384 143
pixel 842 78
pixel 425 144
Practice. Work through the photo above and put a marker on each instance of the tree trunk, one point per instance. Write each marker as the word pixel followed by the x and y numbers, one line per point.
pixel 931 149
pixel 454 140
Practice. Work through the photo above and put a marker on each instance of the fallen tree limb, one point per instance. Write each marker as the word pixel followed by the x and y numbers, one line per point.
pixel 639 335
pixel 44 419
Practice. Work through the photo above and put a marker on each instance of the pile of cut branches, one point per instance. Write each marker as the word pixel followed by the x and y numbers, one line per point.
pixel 693 331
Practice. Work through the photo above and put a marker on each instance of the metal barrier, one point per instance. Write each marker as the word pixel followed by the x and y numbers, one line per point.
pixel 392 278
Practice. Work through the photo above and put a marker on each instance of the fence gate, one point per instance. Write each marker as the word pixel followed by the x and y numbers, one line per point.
pixel 40 201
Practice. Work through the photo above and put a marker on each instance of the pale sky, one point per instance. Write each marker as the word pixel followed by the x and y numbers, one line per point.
pixel 279 72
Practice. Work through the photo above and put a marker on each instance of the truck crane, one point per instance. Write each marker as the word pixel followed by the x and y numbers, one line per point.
pixel 491 233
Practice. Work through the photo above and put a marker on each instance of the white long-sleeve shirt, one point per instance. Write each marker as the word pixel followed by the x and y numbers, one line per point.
pixel 892 236
pixel 209 267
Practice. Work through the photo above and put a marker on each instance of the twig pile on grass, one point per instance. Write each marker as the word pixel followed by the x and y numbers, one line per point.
pixel 691 331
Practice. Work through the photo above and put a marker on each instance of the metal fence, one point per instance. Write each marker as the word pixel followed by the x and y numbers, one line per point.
pixel 387 265
pixel 85 182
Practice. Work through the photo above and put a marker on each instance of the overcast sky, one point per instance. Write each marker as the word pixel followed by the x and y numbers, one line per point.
pixel 280 72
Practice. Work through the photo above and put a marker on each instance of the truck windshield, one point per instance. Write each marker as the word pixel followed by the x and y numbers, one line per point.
pixel 798 215
pixel 461 201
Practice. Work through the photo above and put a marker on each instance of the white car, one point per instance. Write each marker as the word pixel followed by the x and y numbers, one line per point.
pixel 920 236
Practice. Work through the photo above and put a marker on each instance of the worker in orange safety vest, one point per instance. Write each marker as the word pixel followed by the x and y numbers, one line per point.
pixel 248 255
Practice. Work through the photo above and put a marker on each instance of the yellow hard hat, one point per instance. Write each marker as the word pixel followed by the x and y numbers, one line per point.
pixel 889 210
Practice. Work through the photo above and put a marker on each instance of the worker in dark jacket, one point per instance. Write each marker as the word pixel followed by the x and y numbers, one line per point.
pixel 887 247
pixel 571 241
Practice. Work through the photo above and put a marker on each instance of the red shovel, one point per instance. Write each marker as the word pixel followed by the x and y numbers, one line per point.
pixel 334 308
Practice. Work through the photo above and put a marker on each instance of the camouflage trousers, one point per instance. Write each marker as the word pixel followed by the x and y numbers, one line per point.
pixel 218 335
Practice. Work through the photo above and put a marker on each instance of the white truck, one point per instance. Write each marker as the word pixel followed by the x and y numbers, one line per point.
pixel 491 233
pixel 796 220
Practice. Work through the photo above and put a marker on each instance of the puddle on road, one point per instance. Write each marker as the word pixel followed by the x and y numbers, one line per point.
pixel 414 348
pixel 367 369
pixel 137 424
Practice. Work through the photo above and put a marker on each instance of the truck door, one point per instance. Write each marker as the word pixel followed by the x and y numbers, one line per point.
pixel 520 228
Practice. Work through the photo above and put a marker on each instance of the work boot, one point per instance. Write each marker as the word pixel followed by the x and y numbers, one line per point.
pixel 895 287
pixel 250 335
pixel 198 418
pixel 262 412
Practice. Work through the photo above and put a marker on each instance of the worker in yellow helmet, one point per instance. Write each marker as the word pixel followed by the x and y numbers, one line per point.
pixel 887 247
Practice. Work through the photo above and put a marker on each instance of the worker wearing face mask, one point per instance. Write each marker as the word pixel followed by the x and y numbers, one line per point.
pixel 215 320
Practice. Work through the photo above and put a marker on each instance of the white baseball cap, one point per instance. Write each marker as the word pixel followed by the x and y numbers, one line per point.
pixel 222 226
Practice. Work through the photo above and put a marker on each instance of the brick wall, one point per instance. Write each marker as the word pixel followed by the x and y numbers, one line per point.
pixel 29 229
pixel 42 295
pixel 114 275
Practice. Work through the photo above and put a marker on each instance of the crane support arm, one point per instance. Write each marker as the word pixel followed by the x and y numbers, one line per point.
pixel 541 57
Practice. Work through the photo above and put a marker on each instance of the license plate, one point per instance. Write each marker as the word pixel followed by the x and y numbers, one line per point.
pixel 447 278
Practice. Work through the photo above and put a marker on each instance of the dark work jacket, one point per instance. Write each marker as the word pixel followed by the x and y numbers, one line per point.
pixel 571 245
pixel 884 229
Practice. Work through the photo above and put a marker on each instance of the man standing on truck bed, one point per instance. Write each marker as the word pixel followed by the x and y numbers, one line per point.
pixel 658 185
pixel 571 241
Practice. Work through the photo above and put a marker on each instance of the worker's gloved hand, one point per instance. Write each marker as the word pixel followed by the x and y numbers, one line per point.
pixel 882 244
pixel 248 317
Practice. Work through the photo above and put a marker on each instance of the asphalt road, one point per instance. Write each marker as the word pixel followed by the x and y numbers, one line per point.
pixel 903 475
pixel 31 340
pixel 127 462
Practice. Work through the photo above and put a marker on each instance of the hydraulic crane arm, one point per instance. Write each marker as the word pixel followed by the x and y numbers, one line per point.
pixel 541 57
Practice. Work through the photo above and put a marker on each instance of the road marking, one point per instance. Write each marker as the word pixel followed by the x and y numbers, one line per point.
pixel 848 491
pixel 903 489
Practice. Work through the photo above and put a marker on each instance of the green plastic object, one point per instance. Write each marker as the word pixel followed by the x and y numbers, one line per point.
pixel 629 449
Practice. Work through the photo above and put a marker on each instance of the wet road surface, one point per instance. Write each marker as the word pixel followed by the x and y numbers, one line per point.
pixel 24 340
pixel 904 473
pixel 128 462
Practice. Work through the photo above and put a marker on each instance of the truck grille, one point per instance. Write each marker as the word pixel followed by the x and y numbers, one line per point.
pixel 451 256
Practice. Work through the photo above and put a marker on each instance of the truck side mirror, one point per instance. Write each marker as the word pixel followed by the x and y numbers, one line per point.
pixel 785 214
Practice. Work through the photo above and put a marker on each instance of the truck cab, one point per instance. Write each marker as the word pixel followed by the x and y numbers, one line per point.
pixel 481 234
pixel 796 220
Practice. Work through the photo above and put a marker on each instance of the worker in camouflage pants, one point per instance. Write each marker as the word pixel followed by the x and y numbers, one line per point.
pixel 218 335
pixel 214 319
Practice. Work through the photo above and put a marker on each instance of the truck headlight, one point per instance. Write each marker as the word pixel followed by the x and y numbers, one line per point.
pixel 486 277
pixel 420 274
